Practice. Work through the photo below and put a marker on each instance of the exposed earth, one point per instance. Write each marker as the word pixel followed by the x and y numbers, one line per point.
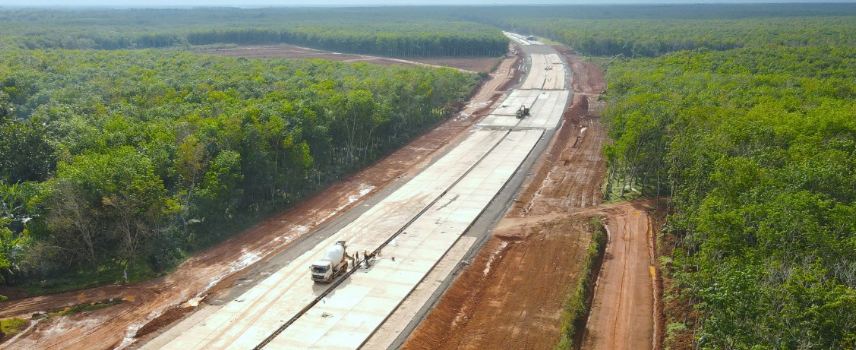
pixel 622 311
pixel 472 64
pixel 512 294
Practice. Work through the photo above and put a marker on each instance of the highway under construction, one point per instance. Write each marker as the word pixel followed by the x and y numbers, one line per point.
pixel 416 234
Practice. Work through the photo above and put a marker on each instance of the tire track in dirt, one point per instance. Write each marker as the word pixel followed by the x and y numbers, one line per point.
pixel 622 315
pixel 220 267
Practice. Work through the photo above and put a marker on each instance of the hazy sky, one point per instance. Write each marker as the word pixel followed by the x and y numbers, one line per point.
pixel 262 3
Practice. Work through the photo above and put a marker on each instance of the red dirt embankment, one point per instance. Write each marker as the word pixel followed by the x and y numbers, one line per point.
pixel 513 293
pixel 220 266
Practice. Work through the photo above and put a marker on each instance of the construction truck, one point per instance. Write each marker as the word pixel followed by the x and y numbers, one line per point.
pixel 522 112
pixel 334 264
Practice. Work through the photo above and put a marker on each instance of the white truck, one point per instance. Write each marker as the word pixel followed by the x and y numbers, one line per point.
pixel 334 263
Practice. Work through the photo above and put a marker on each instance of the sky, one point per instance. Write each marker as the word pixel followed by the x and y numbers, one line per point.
pixel 267 3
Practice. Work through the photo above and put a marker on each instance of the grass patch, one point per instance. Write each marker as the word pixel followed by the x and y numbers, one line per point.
pixel 617 189
pixel 548 41
pixel 88 278
pixel 11 326
pixel 579 301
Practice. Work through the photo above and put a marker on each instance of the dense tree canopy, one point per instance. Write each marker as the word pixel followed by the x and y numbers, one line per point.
pixel 383 31
pixel 757 148
pixel 654 37
pixel 116 158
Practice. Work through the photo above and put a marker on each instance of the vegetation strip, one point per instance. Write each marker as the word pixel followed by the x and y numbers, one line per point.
pixel 11 326
pixel 578 305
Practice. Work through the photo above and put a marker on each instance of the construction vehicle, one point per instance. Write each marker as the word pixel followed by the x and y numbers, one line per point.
pixel 522 112
pixel 334 264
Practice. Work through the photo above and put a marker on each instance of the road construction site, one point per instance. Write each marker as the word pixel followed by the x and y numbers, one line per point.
pixel 470 236
pixel 514 291
pixel 475 230
pixel 407 232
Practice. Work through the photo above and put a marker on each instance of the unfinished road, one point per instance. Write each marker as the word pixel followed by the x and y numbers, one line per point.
pixel 513 292
pixel 413 228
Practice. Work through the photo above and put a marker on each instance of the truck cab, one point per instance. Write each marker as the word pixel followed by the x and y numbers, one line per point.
pixel 322 271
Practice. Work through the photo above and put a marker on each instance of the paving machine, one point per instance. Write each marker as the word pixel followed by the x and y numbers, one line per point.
pixel 523 112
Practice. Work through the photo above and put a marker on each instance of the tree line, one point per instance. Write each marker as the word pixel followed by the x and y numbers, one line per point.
pixel 655 37
pixel 122 162
pixel 401 33
pixel 757 149
pixel 425 43
pixel 445 42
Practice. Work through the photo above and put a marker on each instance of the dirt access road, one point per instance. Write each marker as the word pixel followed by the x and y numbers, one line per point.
pixel 153 304
pixel 512 294
pixel 622 313
pixel 470 64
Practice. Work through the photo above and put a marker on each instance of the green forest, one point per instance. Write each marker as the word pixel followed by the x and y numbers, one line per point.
pixel 402 33
pixel 757 150
pixel 113 134
pixel 655 37
pixel 161 152
pixel 748 125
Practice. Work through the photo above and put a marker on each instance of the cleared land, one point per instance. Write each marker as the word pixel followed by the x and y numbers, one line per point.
pixel 472 64
pixel 512 294
pixel 622 313
pixel 151 305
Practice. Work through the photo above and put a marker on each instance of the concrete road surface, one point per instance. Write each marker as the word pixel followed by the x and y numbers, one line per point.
pixel 416 226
